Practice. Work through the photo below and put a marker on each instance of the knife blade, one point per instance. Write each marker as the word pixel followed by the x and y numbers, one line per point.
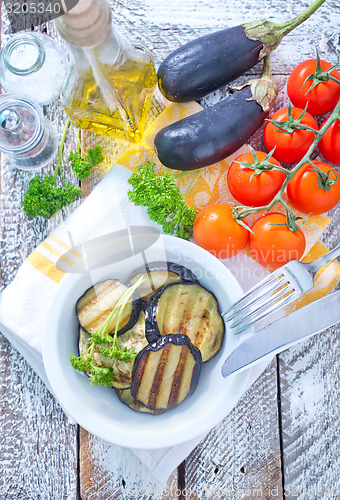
pixel 284 333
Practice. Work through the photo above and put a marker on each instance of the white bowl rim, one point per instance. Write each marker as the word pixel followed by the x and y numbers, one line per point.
pixel 65 396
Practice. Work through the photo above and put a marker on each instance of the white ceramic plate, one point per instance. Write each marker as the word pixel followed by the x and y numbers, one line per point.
pixel 98 409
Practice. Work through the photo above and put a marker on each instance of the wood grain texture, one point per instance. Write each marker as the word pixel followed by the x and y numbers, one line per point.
pixel 164 26
pixel 309 384
pixel 38 446
pixel 240 458
pixel 108 472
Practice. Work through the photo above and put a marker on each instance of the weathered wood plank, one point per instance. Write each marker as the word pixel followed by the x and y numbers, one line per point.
pixel 38 445
pixel 241 458
pixel 164 26
pixel 109 472
pixel 309 386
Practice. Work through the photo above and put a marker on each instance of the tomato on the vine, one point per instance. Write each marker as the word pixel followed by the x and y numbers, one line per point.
pixel 251 187
pixel 289 147
pixel 329 145
pixel 305 192
pixel 217 231
pixel 323 97
pixel 274 245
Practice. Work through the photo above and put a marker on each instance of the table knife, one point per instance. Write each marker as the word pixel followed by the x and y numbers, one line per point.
pixel 284 333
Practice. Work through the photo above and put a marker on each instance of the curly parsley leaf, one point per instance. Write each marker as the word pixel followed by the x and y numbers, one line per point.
pixel 82 165
pixel 123 353
pixel 163 199
pixel 44 198
pixel 101 376
pixel 79 363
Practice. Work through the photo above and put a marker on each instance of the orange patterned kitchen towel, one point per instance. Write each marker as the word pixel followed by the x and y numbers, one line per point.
pixel 212 185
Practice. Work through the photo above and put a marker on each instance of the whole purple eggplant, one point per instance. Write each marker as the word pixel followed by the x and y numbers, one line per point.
pixel 210 61
pixel 207 63
pixel 216 132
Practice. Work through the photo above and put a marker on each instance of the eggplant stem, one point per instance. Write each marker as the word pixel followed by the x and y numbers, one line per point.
pixel 287 26
pixel 267 67
pixel 271 34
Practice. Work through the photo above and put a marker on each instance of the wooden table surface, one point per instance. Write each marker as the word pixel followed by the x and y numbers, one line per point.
pixel 282 439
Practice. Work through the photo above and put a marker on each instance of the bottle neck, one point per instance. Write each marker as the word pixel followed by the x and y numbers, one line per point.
pixel 106 53
pixel 86 25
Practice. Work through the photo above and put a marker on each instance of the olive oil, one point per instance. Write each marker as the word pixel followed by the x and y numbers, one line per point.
pixel 111 84
pixel 118 104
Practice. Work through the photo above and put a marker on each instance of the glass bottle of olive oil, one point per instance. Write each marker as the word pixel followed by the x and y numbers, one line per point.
pixel 111 83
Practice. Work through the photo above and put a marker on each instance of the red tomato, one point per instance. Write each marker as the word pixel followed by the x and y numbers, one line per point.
pixel 329 146
pixel 261 189
pixel 322 98
pixel 273 246
pixel 216 230
pixel 304 193
pixel 290 148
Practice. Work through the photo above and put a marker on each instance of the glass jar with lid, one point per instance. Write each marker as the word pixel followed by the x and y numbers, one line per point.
pixel 25 134
pixel 34 64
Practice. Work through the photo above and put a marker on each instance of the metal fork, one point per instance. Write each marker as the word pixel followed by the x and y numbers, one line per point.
pixel 277 290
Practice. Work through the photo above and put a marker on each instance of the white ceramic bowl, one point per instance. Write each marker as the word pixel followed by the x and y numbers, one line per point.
pixel 98 409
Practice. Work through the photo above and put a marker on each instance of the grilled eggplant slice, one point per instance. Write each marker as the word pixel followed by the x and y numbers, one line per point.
pixel 97 303
pixel 190 309
pixel 127 399
pixel 166 372
pixel 158 274
pixel 122 370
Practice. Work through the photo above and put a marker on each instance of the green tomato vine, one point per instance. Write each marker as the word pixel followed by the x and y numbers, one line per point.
pixel 242 211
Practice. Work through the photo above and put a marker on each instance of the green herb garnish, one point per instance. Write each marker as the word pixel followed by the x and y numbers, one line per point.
pixel 166 205
pixel 45 196
pixel 82 163
pixel 108 345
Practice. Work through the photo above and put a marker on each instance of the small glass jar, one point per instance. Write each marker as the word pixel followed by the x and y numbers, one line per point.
pixel 25 134
pixel 34 64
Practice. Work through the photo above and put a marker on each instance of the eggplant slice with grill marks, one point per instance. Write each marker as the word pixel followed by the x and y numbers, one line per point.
pixel 166 372
pixel 158 274
pixel 190 309
pixel 133 339
pixel 125 396
pixel 97 303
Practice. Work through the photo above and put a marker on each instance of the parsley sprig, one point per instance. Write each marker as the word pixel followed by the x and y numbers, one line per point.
pixel 108 345
pixel 165 203
pixel 82 163
pixel 46 196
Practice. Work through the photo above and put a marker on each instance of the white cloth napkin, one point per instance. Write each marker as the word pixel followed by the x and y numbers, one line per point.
pixel 24 302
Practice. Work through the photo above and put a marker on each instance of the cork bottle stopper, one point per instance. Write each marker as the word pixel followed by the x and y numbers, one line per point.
pixel 86 24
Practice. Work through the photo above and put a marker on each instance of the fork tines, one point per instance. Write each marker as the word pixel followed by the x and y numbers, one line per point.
pixel 272 293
